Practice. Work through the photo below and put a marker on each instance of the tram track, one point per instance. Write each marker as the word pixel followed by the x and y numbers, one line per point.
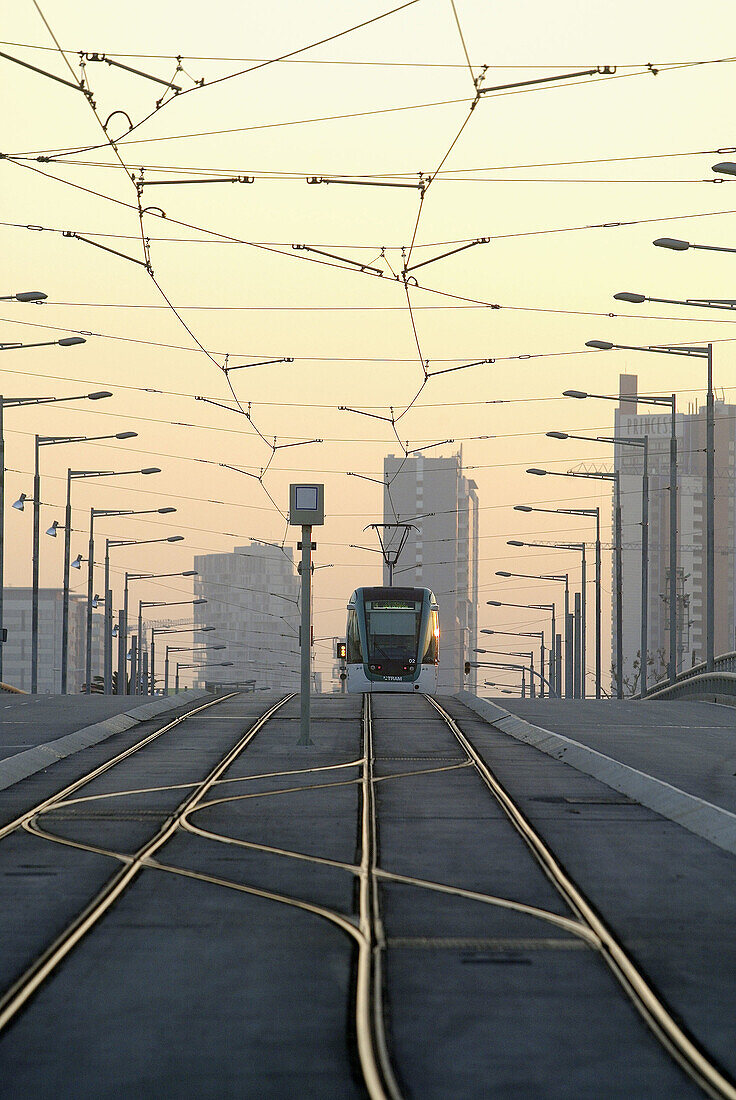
pixel 682 1047
pixel 46 963
pixel 94 773
pixel 364 929
pixel 363 923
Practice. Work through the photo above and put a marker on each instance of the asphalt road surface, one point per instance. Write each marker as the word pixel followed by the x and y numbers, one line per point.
pixel 222 911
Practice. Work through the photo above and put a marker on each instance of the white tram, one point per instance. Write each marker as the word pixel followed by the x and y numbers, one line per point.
pixel 393 640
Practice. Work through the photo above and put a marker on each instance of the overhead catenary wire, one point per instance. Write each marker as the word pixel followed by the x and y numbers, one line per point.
pixel 478 305
pixel 380 63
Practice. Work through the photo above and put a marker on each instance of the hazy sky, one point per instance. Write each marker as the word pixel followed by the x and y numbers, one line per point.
pixel 540 171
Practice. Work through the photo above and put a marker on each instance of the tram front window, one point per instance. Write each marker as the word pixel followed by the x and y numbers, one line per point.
pixel 392 633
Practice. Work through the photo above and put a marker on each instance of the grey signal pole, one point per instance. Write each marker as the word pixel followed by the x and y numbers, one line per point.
pixel 306 639
pixel 306 509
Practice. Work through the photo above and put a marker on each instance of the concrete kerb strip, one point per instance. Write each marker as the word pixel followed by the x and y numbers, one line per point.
pixel 703 818
pixel 41 757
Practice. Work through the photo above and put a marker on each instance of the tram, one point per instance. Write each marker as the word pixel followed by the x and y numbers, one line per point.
pixel 393 640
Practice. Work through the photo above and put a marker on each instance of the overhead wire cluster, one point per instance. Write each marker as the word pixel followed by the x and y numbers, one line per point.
pixel 399 264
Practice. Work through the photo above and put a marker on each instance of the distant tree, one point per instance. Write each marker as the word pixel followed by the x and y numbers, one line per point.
pixel 656 669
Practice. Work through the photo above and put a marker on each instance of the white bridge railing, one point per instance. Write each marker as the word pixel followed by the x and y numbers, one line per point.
pixel 697 683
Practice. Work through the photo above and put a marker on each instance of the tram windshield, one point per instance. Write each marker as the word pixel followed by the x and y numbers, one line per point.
pixel 392 628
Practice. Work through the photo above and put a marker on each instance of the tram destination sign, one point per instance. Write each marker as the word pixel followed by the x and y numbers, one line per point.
pixel 392 605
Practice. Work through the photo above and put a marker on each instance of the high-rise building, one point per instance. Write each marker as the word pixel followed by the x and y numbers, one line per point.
pixel 690 430
pixel 441 551
pixel 252 602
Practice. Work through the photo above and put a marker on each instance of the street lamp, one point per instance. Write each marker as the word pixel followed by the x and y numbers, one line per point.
pixel 551 661
pixel 166 630
pixel 184 649
pixel 594 513
pixel 25 296
pixel 210 664
pixel 676 245
pixel 108 593
pixel 671 403
pixel 643 444
pixel 511 666
pixel 94 512
pixel 17 402
pixel 562 578
pixel 65 342
pixel 702 303
pixel 526 634
pixel 173 630
pixel 574 662
pixel 705 352
pixel 504 688
pixel 137 649
pixel 73 475
pixel 50 441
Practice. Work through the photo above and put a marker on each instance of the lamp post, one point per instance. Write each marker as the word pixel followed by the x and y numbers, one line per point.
pixel 166 630
pixel 526 634
pixel 504 688
pixel 510 665
pixel 551 661
pixel 93 513
pixel 17 402
pixel 643 444
pixel 584 583
pixel 201 664
pixel 65 342
pixel 74 475
pixel 569 646
pixel 108 593
pixel 563 578
pixel 50 441
pixel 595 513
pixel 671 403
pixel 184 649
pixel 122 650
pixel 705 352
pixel 505 653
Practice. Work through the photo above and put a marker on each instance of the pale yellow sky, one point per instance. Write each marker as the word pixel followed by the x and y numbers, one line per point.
pixel 587 154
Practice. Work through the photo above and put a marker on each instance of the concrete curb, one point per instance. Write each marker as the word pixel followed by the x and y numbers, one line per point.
pixel 695 814
pixel 41 757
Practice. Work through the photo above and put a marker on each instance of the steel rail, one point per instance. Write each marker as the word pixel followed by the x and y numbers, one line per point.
pixel 685 1051
pixel 370 1033
pixel 34 976
pixel 79 783
pixel 188 786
